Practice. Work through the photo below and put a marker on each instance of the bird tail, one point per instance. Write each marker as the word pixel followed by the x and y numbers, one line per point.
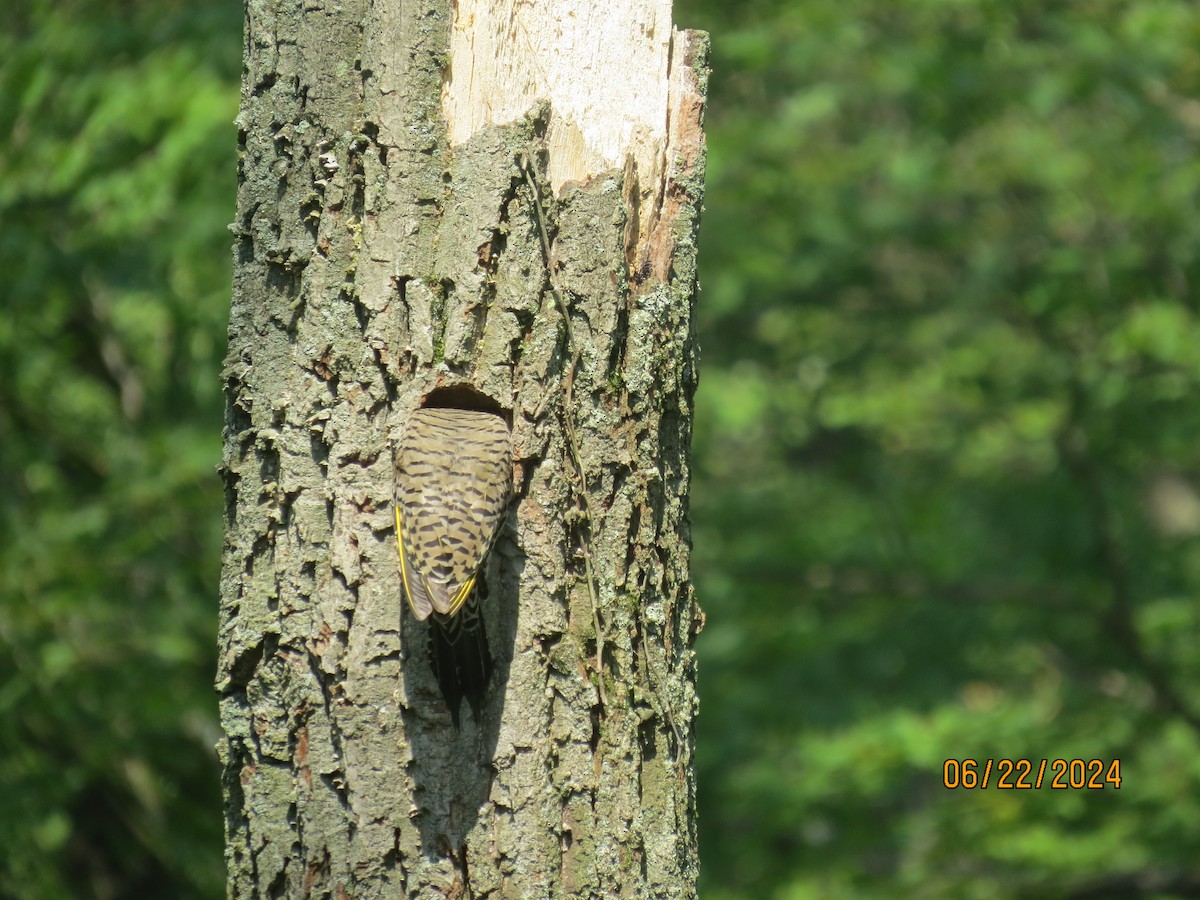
pixel 462 663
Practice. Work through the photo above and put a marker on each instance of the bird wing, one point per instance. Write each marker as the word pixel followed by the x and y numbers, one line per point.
pixel 453 480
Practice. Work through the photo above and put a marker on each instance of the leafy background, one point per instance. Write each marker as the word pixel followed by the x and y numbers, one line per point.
pixel 947 493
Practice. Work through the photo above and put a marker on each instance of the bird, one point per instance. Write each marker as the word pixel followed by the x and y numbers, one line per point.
pixel 453 482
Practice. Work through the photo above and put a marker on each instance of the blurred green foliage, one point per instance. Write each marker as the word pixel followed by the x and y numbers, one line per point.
pixel 117 177
pixel 947 454
pixel 948 445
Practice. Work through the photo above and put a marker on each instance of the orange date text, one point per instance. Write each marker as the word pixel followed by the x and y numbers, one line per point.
pixel 1032 774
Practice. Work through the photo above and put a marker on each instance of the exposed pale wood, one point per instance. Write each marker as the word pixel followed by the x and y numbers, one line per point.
pixel 605 68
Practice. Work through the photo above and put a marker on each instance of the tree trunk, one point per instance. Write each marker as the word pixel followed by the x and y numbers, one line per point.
pixel 509 222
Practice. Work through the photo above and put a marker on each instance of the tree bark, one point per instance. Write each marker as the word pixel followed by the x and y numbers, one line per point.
pixel 401 239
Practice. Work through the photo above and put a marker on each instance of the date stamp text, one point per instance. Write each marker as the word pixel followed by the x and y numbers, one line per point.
pixel 1032 774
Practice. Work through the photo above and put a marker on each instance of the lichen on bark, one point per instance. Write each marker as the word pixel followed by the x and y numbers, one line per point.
pixel 374 263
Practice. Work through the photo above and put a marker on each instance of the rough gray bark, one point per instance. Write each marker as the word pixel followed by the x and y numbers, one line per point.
pixel 373 265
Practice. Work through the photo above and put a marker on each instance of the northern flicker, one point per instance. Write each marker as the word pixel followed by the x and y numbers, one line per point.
pixel 453 481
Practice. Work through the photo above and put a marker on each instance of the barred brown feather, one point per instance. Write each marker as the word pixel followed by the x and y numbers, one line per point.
pixel 453 479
